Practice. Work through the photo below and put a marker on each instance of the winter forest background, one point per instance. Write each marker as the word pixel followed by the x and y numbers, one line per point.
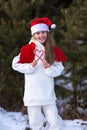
pixel 70 16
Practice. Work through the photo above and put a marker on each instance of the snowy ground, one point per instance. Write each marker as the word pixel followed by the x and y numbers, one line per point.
pixel 17 121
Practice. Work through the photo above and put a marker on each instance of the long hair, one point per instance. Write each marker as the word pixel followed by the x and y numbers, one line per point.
pixel 49 53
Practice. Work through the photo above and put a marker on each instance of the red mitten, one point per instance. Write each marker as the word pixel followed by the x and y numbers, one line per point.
pixel 27 53
pixel 59 55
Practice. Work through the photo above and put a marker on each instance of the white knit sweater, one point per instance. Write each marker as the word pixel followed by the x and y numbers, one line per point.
pixel 39 82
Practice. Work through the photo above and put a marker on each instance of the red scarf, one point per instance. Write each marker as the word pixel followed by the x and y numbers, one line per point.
pixel 27 54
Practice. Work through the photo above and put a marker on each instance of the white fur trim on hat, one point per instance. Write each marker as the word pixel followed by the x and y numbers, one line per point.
pixel 39 27
pixel 53 26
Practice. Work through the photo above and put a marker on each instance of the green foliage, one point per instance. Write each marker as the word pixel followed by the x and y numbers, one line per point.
pixel 73 28
pixel 76 30
pixel 13 32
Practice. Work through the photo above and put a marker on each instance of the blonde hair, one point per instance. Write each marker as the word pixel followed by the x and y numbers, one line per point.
pixel 49 52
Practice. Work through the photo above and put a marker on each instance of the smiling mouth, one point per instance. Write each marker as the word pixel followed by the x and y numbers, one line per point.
pixel 42 39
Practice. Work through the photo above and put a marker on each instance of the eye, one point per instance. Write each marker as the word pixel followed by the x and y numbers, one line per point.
pixel 37 33
pixel 43 31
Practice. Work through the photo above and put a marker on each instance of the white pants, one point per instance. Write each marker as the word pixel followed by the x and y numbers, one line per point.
pixel 36 117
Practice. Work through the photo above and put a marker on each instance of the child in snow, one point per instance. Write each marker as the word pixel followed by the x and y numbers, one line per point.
pixel 40 61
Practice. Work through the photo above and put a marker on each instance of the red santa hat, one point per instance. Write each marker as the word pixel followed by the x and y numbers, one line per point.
pixel 41 24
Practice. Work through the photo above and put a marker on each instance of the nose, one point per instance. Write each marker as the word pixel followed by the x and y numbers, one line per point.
pixel 41 34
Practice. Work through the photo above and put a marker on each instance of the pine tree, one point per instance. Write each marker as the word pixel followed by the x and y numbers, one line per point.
pixel 13 34
pixel 73 28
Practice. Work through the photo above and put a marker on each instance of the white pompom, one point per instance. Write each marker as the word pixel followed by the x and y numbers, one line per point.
pixel 53 26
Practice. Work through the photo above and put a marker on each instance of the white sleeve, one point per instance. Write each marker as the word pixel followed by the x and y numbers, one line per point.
pixel 22 68
pixel 55 69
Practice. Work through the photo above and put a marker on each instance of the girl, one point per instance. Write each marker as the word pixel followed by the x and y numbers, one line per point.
pixel 40 61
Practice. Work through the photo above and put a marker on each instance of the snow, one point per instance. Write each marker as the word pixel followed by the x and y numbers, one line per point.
pixel 67 86
pixel 18 121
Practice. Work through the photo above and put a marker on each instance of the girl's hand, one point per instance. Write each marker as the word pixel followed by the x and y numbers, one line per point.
pixel 34 63
pixel 46 64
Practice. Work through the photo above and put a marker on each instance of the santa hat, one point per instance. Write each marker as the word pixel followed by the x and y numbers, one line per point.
pixel 41 24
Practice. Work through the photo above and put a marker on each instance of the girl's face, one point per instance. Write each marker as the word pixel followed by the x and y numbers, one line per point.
pixel 40 36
